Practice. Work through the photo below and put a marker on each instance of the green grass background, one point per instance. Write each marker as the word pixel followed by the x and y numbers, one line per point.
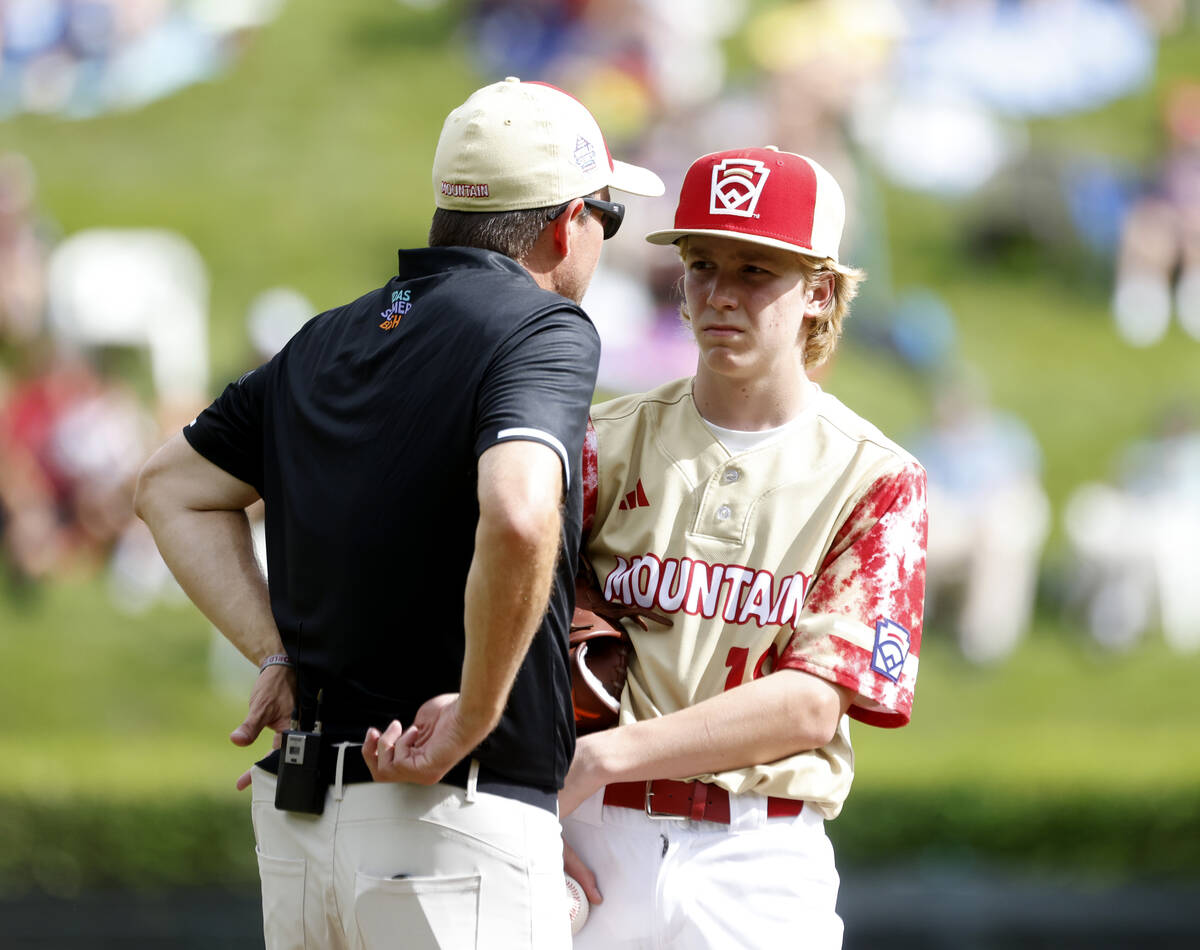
pixel 307 164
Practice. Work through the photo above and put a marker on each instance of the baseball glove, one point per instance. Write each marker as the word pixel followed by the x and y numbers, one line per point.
pixel 600 650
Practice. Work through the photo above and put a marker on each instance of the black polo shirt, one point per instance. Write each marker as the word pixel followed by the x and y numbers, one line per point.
pixel 362 436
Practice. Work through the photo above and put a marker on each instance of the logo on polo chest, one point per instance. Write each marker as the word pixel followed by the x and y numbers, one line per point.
pixel 737 184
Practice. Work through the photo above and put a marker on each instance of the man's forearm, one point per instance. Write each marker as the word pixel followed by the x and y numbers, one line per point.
pixel 508 586
pixel 196 513
pixel 211 554
pixel 507 590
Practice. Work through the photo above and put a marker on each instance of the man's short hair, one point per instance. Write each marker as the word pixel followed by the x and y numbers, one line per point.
pixel 508 232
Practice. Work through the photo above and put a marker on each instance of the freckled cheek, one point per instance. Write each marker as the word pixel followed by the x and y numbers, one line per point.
pixel 778 325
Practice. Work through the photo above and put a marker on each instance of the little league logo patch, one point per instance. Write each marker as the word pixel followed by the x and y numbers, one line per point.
pixel 891 649
pixel 585 154
pixel 737 184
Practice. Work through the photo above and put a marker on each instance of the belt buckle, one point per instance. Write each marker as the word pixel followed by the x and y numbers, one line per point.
pixel 658 816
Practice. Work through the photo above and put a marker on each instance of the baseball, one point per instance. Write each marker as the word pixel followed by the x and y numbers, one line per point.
pixel 577 904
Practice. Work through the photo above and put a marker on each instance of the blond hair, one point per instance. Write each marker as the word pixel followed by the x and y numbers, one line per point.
pixel 821 333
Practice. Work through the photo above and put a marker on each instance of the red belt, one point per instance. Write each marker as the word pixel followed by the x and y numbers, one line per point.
pixel 698 801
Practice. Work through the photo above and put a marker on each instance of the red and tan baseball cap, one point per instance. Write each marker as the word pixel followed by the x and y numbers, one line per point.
pixel 764 196
pixel 516 145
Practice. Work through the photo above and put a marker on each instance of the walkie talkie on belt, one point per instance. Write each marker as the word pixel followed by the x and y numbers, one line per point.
pixel 300 786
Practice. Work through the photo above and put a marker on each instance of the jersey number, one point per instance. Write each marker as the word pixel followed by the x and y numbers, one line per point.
pixel 736 661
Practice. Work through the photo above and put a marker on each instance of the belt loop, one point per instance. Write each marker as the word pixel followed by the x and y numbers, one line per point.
pixel 747 811
pixel 472 779
pixel 338 785
pixel 699 798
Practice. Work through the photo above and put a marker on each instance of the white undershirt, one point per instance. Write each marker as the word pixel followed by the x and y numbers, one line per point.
pixel 738 441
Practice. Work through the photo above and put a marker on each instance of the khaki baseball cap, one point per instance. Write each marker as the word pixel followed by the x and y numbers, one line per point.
pixel 515 145
pixel 764 196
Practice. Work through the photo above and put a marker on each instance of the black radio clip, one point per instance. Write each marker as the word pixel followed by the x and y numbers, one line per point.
pixel 300 786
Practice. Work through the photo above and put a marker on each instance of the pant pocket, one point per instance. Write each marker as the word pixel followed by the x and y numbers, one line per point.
pixel 282 901
pixel 417 912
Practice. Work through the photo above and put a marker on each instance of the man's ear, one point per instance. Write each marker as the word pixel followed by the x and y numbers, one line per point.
pixel 563 224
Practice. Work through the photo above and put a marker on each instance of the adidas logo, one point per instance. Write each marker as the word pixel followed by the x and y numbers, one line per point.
pixel 635 499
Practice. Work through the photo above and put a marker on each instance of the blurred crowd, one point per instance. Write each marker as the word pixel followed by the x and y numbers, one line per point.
pixel 935 96
pixel 82 318
pixel 82 315
pixel 79 58
pixel 1158 263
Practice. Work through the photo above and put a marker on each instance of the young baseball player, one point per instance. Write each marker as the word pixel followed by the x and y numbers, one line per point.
pixel 785 538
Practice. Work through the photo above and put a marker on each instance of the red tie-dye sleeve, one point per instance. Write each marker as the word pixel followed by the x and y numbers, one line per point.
pixel 591 481
pixel 861 622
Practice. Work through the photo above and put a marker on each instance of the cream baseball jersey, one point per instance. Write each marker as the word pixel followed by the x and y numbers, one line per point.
pixel 807 552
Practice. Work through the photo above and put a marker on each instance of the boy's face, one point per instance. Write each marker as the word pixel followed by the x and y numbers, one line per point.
pixel 747 304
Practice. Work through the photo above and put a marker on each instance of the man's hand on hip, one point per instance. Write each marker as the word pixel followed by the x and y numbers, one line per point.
pixel 425 751
pixel 271 703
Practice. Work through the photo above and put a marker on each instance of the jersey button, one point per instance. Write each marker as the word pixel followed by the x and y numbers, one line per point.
pixel 724 512
pixel 732 475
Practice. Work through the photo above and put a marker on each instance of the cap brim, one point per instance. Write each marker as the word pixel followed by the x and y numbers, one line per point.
pixel 636 180
pixel 670 237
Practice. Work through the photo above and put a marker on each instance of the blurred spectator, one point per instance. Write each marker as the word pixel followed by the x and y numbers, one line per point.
pixel 23 250
pixel 820 58
pixel 73 433
pixel 1063 207
pixel 34 495
pixel 832 68
pixel 1164 16
pixel 137 288
pixel 631 60
pixel 71 441
pixel 966 74
pixel 98 444
pixel 935 138
pixel 1028 58
pixel 523 37
pixel 79 58
pixel 1161 234
pixel 1134 542
pixel 919 330
pixel 644 340
pixel 138 577
pixel 684 61
pixel 988 518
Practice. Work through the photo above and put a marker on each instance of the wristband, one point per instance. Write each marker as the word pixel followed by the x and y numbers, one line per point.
pixel 276 659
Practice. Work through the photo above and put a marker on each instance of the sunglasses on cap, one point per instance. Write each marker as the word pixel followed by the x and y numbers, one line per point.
pixel 612 213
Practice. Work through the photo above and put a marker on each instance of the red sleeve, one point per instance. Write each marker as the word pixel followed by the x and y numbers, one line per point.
pixel 591 480
pixel 861 622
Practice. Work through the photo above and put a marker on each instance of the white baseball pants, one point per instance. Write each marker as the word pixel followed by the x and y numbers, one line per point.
pixel 757 882
pixel 397 865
